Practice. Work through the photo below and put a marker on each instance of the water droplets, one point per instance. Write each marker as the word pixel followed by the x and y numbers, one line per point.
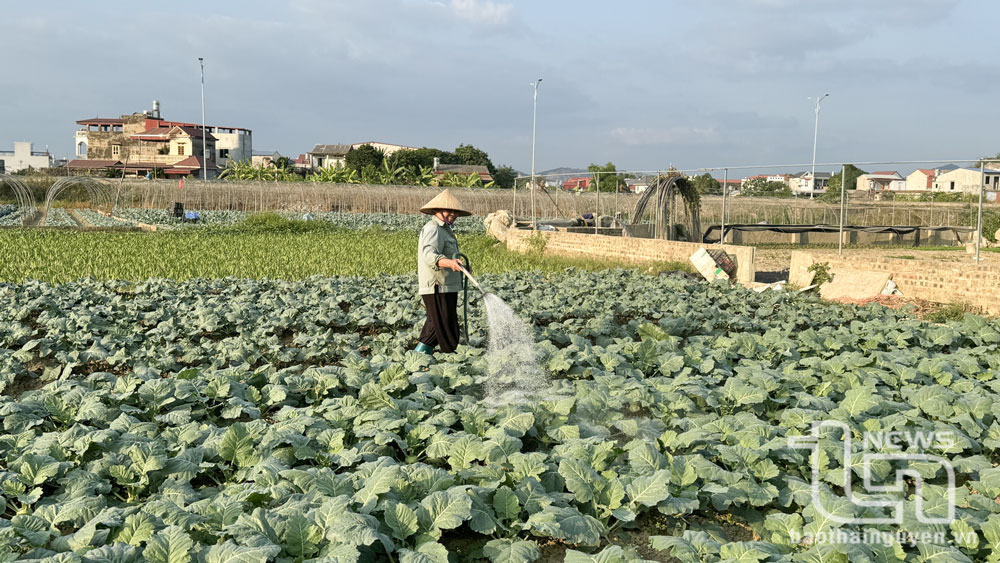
pixel 513 374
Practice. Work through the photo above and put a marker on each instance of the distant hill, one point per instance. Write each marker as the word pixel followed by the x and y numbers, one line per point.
pixel 562 170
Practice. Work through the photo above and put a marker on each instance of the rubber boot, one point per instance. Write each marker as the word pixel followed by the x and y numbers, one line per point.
pixel 421 347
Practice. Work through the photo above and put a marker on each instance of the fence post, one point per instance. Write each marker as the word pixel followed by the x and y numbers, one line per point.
pixel 597 213
pixel 725 188
pixel 979 215
pixel 843 197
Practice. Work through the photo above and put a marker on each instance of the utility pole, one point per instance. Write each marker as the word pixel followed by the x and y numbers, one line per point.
pixel 534 117
pixel 812 188
pixel 204 146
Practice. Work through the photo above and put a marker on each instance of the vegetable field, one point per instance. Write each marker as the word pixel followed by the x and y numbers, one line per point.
pixel 264 420
pixel 384 221
pixel 322 249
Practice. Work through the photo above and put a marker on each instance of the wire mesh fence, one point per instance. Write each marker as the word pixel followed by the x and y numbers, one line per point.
pixel 549 202
pixel 886 197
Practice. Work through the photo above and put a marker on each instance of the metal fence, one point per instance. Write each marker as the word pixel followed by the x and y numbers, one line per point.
pixel 554 202
pixel 549 203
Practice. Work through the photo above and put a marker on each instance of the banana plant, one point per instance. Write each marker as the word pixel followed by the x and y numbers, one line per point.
pixel 390 175
pixel 336 175
pixel 472 181
pixel 425 176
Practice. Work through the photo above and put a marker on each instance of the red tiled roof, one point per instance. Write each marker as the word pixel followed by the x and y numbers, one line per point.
pixel 165 123
pixel 153 132
pixel 191 162
pixel 84 164
pixel 139 165
pixel 926 171
pixel 888 173
pixel 195 132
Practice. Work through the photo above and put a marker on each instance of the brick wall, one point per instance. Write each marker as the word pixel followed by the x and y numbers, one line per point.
pixel 933 280
pixel 631 250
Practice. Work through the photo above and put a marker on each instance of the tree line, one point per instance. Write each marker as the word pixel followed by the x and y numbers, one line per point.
pixel 370 165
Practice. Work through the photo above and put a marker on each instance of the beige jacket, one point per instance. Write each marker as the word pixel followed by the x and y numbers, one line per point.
pixel 437 241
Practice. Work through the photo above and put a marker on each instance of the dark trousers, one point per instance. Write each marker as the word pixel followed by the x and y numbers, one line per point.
pixel 441 326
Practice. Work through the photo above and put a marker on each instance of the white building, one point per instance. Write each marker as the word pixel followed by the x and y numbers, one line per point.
pixel 881 182
pixel 803 183
pixel 23 157
pixel 966 180
pixel 386 148
pixel 232 144
pixel 323 156
pixel 264 158
pixel 98 137
pixel 921 180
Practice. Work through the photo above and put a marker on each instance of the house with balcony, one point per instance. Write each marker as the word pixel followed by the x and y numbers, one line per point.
pixel 804 183
pixel 144 142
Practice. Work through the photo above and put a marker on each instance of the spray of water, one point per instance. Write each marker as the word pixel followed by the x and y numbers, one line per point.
pixel 512 360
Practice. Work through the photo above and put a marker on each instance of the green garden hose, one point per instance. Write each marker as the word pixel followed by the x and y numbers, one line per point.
pixel 465 295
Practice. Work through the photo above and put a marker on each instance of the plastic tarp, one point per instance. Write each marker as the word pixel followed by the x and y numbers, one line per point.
pixel 711 234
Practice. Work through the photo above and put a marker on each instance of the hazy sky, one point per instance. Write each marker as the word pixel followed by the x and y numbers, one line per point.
pixel 639 83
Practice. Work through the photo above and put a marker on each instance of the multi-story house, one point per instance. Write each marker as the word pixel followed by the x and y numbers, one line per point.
pixel 144 142
pixel 22 157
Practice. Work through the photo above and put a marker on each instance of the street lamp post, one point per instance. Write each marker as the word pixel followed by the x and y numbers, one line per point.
pixel 204 146
pixel 534 118
pixel 812 188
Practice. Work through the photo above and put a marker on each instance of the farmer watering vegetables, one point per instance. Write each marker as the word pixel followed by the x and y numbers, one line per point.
pixel 439 273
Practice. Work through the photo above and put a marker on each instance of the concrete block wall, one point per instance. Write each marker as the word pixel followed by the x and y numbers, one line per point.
pixel 935 238
pixel 630 250
pixel 933 280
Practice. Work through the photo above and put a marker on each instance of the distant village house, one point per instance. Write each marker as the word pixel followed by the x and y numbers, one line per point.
pixel 23 157
pixel 967 180
pixel 885 181
pixel 323 156
pixel 143 142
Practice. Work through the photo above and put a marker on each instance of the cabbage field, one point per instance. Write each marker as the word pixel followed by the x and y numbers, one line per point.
pixel 384 221
pixel 226 420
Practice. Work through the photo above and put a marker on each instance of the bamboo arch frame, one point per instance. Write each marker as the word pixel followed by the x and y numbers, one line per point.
pixel 100 192
pixel 22 193
pixel 665 190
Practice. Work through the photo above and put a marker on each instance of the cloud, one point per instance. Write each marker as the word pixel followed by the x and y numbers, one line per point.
pixel 737 120
pixel 483 12
pixel 639 136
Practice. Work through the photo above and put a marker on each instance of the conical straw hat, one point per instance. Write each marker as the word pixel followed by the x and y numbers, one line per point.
pixel 445 200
